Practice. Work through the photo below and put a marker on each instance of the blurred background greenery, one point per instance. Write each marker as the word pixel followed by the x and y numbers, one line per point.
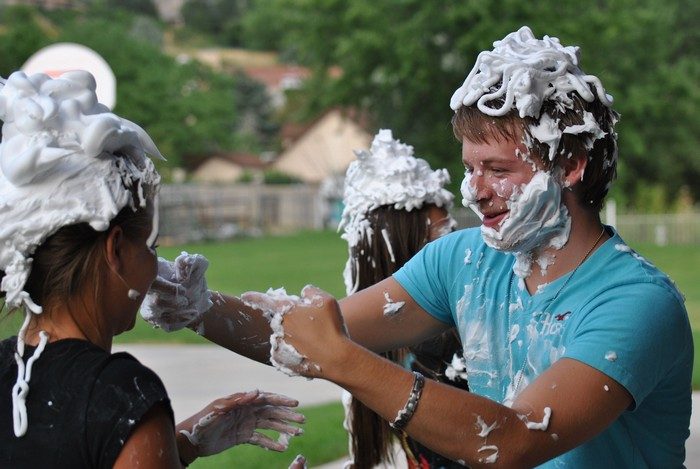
pixel 396 61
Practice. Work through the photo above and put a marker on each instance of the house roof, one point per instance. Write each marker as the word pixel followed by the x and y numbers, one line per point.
pixel 278 76
pixel 290 132
pixel 244 160
pixel 325 148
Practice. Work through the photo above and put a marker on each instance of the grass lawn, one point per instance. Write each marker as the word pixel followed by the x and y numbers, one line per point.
pixel 681 264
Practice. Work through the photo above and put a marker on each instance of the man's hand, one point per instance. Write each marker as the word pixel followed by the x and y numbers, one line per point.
pixel 304 328
pixel 179 295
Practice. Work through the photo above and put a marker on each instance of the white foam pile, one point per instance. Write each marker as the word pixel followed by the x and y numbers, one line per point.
pixel 527 71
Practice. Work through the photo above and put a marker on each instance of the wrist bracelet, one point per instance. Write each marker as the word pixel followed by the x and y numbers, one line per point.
pixel 409 408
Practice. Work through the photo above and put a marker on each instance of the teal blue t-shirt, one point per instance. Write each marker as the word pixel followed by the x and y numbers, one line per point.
pixel 617 313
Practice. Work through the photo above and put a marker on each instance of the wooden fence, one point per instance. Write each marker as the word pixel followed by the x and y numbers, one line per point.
pixel 197 212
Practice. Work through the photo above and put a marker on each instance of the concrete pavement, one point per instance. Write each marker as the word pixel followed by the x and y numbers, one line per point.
pixel 194 375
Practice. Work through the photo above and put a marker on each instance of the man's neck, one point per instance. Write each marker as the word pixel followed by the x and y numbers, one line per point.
pixel 585 237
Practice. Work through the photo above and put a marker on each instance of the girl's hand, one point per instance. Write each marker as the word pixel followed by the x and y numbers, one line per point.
pixel 236 419
pixel 306 330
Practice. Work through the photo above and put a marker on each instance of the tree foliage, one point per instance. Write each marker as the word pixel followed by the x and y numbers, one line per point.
pixel 218 18
pixel 20 37
pixel 189 110
pixel 141 7
pixel 401 61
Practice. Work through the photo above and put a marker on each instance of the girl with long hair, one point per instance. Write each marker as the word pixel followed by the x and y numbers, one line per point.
pixel 394 204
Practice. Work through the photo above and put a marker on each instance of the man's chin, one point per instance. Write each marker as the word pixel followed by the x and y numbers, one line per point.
pixel 494 239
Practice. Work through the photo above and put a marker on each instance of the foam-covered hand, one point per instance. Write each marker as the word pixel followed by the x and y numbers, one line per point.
pixel 235 419
pixel 304 328
pixel 179 295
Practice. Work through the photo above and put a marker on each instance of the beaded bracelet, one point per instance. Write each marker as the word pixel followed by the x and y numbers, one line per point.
pixel 409 409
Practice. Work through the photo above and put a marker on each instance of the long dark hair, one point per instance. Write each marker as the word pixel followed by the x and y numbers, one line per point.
pixel 71 257
pixel 408 232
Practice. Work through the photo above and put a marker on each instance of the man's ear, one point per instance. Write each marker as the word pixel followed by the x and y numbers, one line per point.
pixel 574 169
pixel 114 248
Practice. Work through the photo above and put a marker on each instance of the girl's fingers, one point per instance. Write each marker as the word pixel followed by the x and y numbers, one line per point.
pixel 278 426
pixel 277 399
pixel 264 441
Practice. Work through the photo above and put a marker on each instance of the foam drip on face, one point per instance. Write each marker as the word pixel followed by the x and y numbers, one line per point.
pixel 64 159
pixel 386 175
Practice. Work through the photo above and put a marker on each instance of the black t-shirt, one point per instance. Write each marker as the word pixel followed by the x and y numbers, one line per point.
pixel 83 403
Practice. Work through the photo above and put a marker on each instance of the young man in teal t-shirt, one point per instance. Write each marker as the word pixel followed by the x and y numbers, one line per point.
pixel 578 352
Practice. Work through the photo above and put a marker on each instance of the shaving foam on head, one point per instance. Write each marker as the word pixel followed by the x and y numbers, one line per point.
pixel 58 167
pixel 64 159
pixel 387 174
pixel 524 72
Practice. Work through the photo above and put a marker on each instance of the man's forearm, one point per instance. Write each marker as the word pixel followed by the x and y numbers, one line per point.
pixel 459 425
pixel 237 327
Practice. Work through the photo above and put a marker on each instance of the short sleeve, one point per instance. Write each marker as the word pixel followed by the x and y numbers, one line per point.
pixel 635 334
pixel 424 277
pixel 123 393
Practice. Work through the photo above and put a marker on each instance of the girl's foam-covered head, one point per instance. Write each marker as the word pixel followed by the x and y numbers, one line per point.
pixel 64 159
pixel 388 175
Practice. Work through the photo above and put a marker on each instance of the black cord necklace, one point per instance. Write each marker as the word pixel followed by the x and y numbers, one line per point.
pixel 519 375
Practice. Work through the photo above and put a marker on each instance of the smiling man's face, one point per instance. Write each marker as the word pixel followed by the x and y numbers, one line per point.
pixel 493 171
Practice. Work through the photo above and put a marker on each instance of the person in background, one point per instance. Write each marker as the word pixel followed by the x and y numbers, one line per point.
pixel 394 204
pixel 78 234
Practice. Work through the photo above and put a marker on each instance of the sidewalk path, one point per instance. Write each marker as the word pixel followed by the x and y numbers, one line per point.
pixel 194 375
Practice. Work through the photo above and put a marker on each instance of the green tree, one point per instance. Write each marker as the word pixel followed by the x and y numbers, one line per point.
pixel 218 18
pixel 189 110
pixel 20 36
pixel 401 61
pixel 263 27
pixel 141 7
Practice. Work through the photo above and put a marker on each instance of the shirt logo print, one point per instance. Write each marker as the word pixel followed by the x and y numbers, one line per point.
pixel 562 316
